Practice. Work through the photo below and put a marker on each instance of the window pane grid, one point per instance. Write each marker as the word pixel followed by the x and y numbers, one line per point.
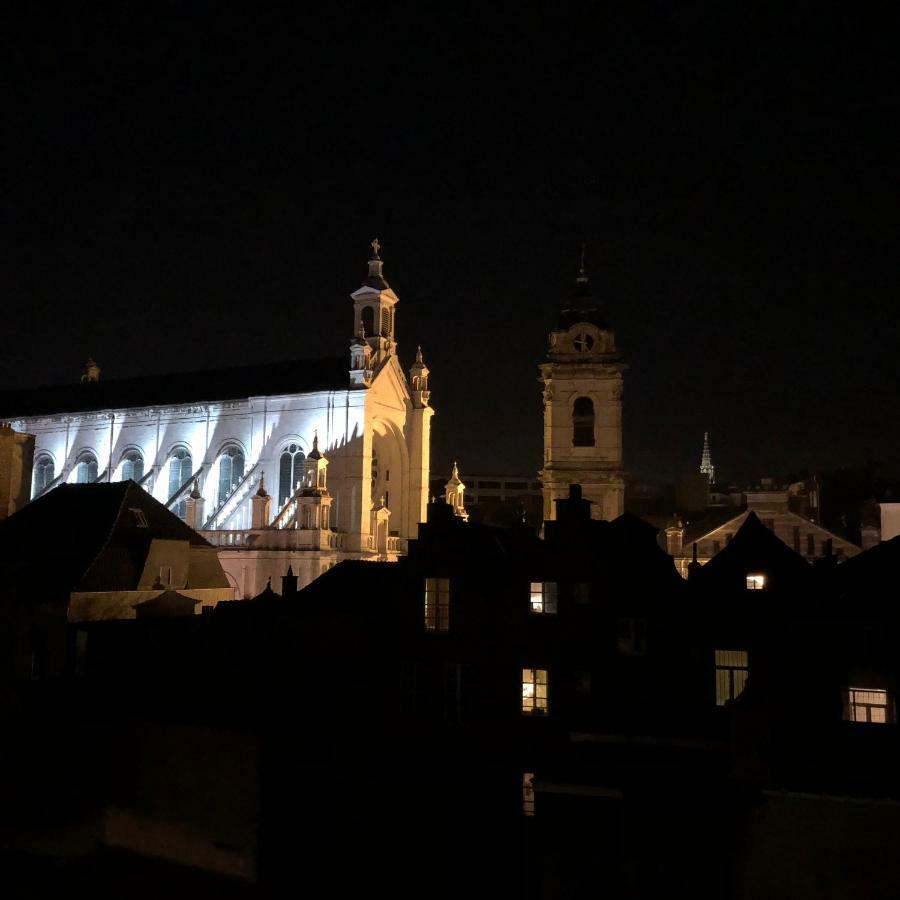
pixel 867 705
pixel 437 604
pixel 535 694
pixel 543 596
pixel 731 674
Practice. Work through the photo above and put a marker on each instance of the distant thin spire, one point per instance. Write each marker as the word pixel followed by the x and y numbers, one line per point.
pixel 582 274
pixel 706 466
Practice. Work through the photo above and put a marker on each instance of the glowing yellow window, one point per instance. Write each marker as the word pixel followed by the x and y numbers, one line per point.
pixel 535 699
pixel 528 794
pixel 756 582
pixel 543 596
pixel 731 674
pixel 867 705
pixel 437 604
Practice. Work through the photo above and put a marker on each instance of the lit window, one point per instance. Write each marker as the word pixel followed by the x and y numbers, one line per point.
pixel 437 604
pixel 528 794
pixel 543 596
pixel 632 637
pixel 535 700
pixel 731 674
pixel 867 705
pixel 756 582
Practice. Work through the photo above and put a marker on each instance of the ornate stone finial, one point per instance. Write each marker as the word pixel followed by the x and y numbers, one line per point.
pixel 376 247
pixel 261 491
pixel 419 354
pixel 316 439
pixel 455 473
pixel 195 491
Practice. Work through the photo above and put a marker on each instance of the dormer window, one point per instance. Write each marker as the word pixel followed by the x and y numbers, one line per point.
pixel 756 582
pixel 543 597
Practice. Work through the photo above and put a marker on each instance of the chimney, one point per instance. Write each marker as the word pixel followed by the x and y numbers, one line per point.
pixel 289 585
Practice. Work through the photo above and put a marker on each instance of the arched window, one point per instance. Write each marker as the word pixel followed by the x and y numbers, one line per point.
pixel 583 422
pixel 368 320
pixel 231 471
pixel 290 471
pixel 180 470
pixel 44 473
pixel 87 469
pixel 132 466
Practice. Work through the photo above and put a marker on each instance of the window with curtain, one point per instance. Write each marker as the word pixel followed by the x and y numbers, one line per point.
pixel 583 422
pixel 133 466
pixel 290 472
pixel 231 471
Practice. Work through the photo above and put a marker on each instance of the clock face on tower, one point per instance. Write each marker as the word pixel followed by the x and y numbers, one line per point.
pixel 582 340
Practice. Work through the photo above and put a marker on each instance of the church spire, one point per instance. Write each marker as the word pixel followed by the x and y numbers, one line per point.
pixel 706 466
pixel 375 278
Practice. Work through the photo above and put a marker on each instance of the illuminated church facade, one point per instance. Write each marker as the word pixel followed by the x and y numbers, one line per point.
pixel 297 464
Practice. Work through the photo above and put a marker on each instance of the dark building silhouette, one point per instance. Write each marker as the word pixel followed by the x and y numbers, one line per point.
pixel 496 714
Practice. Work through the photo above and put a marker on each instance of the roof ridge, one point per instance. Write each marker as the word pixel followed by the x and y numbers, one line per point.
pixel 112 527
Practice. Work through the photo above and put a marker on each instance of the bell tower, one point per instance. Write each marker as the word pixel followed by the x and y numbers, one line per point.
pixel 582 380
pixel 373 311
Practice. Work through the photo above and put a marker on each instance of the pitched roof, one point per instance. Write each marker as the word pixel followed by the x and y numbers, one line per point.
pixel 53 542
pixel 755 548
pixel 294 377
pixel 873 570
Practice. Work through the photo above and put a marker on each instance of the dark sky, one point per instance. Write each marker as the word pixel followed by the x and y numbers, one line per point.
pixel 187 188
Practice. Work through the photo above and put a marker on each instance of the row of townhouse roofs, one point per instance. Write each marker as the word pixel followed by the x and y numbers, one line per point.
pixel 557 714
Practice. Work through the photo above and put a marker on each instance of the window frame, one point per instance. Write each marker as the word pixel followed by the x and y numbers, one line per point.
pixel 544 598
pixel 855 700
pixel 535 692
pixel 436 604
pixel 728 665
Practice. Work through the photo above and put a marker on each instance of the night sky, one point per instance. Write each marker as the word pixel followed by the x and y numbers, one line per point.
pixel 187 188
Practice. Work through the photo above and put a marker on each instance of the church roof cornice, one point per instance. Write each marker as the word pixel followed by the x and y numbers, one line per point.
pixel 172 389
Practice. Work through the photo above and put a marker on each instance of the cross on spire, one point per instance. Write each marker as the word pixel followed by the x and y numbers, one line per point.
pixel 376 246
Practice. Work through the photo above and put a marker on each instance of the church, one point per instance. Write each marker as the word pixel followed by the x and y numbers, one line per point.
pixel 582 380
pixel 295 464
